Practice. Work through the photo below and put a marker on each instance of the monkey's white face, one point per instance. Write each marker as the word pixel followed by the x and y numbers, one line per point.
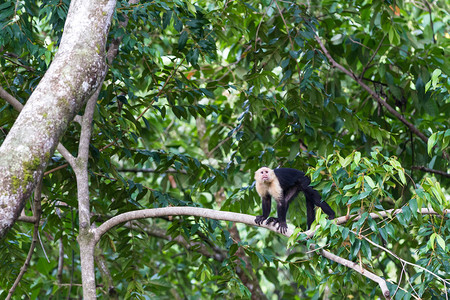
pixel 264 174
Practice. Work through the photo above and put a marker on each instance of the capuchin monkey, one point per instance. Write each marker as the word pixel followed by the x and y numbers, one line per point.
pixel 283 185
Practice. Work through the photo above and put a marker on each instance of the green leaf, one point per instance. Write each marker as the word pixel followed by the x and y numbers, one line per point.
pixel 192 56
pixel 349 186
pixel 326 189
pixel 431 241
pixel 401 174
pixel 406 211
pixel 435 77
pixel 414 207
pixel 356 247
pixel 383 233
pixel 364 195
pixel 207 93
pixel 345 232
pixel 366 251
pixel 292 239
pixel 345 162
pixel 431 142
pixel 369 181
pixel 182 40
pixel 440 242
pixel 191 8
pixel 372 224
pixel 357 158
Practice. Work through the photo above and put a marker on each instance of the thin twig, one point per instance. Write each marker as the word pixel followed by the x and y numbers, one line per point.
pixel 150 170
pixel 37 216
pixel 290 40
pixel 56 169
pixel 431 20
pixel 371 59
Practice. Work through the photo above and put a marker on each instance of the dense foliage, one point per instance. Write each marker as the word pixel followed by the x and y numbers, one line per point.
pixel 200 95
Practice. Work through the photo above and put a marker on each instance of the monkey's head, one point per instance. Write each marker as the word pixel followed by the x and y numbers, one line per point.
pixel 264 174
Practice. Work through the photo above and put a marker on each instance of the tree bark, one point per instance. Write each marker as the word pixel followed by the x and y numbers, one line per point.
pixel 75 73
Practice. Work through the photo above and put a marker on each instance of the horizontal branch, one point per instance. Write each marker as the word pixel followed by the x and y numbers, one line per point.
pixel 150 170
pixel 389 212
pixel 180 211
pixel 229 216
pixel 428 170
pixel 26 219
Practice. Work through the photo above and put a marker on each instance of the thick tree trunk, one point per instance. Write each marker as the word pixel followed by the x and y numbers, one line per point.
pixel 75 73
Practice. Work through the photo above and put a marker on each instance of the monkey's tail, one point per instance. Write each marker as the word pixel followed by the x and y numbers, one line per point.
pixel 313 199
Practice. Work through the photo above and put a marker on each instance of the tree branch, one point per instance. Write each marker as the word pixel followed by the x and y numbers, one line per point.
pixel 150 170
pixel 444 281
pixel 352 265
pixel 180 211
pixel 81 163
pixel 226 216
pixel 389 108
pixel 37 218
pixel 428 170
pixel 11 100
pixel 250 220
pixel 216 254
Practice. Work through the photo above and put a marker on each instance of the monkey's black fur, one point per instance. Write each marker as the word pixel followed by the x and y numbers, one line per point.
pixel 283 185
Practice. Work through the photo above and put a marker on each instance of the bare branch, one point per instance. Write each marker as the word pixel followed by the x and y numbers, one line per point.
pixel 428 170
pixel 37 218
pixel 66 154
pixel 389 108
pixel 180 211
pixel 56 169
pixel 150 170
pixel 217 253
pixel 352 265
pixel 26 219
pixel 10 99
